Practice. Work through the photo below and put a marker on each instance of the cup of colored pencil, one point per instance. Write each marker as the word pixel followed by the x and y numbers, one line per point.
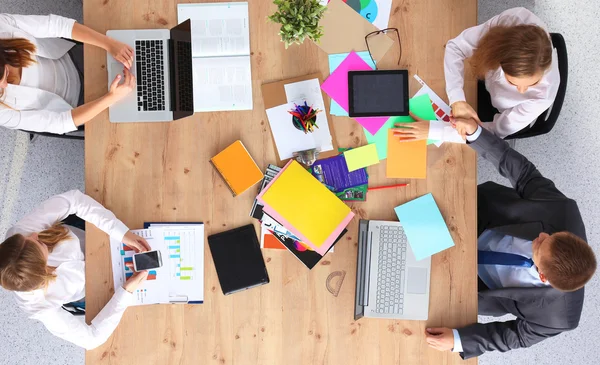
pixel 304 117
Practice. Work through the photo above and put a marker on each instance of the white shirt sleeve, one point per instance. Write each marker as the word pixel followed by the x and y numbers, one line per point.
pixel 457 343
pixel 75 202
pixel 514 119
pixel 463 47
pixel 473 137
pixel 443 131
pixel 38 120
pixel 41 26
pixel 74 329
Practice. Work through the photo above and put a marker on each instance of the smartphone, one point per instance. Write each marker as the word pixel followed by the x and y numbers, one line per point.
pixel 147 260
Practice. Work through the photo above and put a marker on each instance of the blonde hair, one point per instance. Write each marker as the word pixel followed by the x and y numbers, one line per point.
pixel 521 50
pixel 23 266
pixel 18 53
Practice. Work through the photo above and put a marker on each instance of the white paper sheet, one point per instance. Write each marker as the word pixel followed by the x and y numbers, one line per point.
pixel 309 90
pixel 222 84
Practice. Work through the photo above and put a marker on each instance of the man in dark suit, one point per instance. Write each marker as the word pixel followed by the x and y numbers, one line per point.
pixel 533 260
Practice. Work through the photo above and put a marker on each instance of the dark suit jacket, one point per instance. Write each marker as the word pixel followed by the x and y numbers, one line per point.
pixel 534 205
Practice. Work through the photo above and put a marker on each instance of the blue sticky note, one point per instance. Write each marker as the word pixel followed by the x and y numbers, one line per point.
pixel 424 226
pixel 334 61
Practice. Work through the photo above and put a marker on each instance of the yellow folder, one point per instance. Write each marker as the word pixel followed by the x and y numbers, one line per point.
pixel 306 204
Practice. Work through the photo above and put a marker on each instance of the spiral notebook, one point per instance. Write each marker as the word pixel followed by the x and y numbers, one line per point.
pixel 237 168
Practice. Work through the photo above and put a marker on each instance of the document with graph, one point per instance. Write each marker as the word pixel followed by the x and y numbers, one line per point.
pixel 181 277
pixel 220 55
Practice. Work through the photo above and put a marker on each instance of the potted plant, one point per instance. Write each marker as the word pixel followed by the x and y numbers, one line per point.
pixel 299 20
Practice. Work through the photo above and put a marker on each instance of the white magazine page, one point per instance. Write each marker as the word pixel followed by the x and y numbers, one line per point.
pixel 218 29
pixel 222 84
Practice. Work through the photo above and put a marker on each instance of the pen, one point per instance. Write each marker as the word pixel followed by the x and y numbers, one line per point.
pixel 387 187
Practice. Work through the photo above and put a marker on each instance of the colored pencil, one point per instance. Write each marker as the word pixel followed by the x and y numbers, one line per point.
pixel 387 187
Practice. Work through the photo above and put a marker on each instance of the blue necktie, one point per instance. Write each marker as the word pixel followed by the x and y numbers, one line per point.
pixel 502 258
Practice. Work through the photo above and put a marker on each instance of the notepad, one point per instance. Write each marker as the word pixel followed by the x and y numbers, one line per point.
pixel 424 226
pixel 360 157
pixel 306 207
pixel 406 159
pixel 237 168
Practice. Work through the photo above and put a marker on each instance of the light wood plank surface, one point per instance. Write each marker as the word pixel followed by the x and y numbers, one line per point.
pixel 160 172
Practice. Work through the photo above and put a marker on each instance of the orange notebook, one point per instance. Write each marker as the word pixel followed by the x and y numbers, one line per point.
pixel 237 168
pixel 406 159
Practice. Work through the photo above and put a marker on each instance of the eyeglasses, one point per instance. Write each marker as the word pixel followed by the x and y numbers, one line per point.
pixel 383 31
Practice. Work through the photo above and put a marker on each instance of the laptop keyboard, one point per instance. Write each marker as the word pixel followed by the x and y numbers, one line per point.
pixel 150 75
pixel 392 270
pixel 184 77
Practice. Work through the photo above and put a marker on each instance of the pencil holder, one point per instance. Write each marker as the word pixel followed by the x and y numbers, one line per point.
pixel 304 118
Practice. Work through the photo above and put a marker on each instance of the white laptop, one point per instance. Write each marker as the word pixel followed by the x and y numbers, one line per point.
pixel 163 70
pixel 390 282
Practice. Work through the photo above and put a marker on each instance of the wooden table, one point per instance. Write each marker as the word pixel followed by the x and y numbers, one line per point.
pixel 160 172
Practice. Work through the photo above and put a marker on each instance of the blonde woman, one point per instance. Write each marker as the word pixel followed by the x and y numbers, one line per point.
pixel 513 53
pixel 42 261
pixel 41 75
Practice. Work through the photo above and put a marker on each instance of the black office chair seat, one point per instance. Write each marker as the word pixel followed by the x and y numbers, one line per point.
pixel 546 121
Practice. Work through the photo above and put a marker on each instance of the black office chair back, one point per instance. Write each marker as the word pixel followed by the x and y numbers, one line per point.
pixel 547 120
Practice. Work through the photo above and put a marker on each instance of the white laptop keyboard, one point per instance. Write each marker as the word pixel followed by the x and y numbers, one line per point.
pixel 392 270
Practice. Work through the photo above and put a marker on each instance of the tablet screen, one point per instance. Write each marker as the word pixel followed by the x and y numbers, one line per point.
pixel 378 93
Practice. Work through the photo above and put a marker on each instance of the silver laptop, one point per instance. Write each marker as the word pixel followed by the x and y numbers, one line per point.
pixel 163 68
pixel 390 283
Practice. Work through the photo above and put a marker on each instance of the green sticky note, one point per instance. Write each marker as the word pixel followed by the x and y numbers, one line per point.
pixel 360 157
pixel 419 106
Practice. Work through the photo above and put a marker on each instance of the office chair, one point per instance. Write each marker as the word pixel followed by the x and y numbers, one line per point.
pixel 78 134
pixel 546 121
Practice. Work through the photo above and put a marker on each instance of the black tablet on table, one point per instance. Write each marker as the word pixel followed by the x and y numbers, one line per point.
pixel 378 93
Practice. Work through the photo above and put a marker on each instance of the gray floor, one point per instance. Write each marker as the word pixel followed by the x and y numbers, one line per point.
pixel 569 155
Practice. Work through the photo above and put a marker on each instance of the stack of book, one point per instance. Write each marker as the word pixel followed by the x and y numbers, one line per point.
pixel 300 213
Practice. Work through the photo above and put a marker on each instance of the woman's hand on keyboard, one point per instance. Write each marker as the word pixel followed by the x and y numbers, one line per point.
pixel 120 90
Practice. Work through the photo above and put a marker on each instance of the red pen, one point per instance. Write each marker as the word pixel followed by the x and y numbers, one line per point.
pixel 387 187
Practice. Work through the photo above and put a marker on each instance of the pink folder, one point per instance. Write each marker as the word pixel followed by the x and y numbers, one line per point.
pixel 322 250
pixel 336 86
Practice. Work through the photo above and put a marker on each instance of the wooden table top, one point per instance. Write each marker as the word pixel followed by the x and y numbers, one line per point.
pixel 160 172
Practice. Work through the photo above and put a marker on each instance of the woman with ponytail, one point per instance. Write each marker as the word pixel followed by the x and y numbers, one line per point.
pixel 41 75
pixel 513 53
pixel 42 261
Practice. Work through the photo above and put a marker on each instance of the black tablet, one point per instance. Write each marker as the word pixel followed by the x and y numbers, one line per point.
pixel 378 93
pixel 238 259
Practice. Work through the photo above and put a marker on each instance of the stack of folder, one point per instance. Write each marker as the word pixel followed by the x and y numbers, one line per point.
pixel 304 206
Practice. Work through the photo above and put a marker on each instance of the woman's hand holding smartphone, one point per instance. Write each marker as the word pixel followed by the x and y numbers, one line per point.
pixel 135 281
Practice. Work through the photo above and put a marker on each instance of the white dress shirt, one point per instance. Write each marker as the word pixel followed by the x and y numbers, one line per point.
pixel 69 260
pixel 517 110
pixel 36 106
pixel 504 276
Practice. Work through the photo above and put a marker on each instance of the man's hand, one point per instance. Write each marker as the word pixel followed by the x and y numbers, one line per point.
pixel 464 127
pixel 462 109
pixel 440 338
pixel 135 281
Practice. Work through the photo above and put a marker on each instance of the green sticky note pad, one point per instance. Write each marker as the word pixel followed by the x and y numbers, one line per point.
pixel 360 157
pixel 419 106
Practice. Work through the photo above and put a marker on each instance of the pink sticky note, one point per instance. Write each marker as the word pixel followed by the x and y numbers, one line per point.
pixel 336 86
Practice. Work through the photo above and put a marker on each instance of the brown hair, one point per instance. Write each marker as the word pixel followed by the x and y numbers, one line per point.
pixel 521 50
pixel 17 52
pixel 23 266
pixel 571 262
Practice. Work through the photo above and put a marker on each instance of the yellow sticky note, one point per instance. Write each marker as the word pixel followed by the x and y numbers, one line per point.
pixel 360 157
pixel 306 204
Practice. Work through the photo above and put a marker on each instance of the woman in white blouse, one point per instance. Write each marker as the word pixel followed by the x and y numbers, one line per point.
pixel 41 88
pixel 42 261
pixel 513 53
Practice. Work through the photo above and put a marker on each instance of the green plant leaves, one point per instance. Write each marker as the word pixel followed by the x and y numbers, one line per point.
pixel 299 20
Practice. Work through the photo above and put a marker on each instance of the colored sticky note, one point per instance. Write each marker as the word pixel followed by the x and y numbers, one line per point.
pixel 406 159
pixel 336 86
pixel 360 157
pixel 424 226
pixel 302 204
pixel 334 62
pixel 419 106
